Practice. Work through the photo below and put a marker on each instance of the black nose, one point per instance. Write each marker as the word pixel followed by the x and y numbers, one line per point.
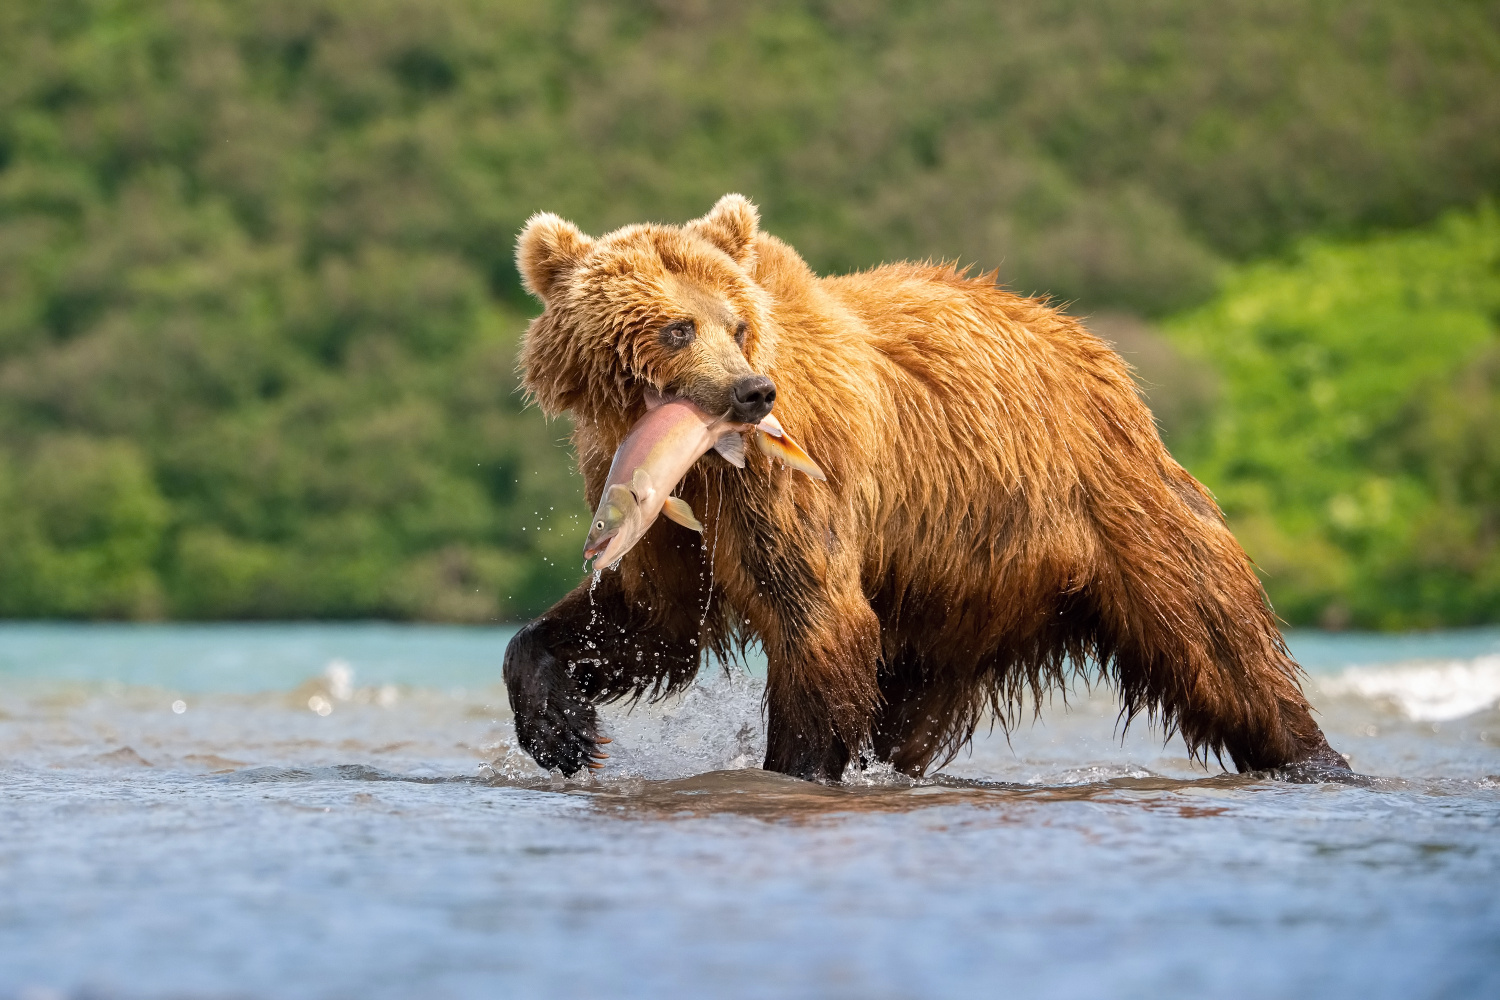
pixel 753 395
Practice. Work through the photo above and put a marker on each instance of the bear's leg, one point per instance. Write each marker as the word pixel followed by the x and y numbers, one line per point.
pixel 821 691
pixel 591 647
pixel 1178 615
pixel 920 719
pixel 1250 708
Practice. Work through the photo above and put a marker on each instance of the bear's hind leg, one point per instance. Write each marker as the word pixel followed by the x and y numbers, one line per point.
pixel 922 718
pixel 1178 616
pixel 1235 694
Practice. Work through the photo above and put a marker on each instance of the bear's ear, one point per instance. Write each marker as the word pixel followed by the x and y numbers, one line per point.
pixel 547 251
pixel 731 226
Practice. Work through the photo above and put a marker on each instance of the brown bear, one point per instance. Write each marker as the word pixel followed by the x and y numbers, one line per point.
pixel 999 510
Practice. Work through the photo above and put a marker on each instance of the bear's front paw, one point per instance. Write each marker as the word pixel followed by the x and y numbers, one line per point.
pixel 553 721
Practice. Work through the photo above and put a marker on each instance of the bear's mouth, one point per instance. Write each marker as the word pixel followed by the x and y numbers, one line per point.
pixel 655 399
pixel 767 432
pixel 745 399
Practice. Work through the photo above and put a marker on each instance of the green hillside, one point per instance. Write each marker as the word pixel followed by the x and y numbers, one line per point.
pixel 1356 443
pixel 257 307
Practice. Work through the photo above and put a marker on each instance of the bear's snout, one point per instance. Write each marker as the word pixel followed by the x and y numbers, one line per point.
pixel 752 398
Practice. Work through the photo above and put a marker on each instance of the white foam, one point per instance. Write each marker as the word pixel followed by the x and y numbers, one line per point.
pixel 714 725
pixel 1425 692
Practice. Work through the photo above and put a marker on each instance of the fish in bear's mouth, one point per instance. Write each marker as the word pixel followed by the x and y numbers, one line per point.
pixel 654 457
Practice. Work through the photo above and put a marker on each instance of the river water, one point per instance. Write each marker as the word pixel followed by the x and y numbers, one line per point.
pixel 338 811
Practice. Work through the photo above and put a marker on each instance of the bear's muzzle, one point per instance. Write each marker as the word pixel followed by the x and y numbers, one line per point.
pixel 752 398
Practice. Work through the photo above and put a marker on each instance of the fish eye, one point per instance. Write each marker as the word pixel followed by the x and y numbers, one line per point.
pixel 741 330
pixel 679 334
pixel 598 525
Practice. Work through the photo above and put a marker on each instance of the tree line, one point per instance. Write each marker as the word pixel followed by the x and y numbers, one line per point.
pixel 258 310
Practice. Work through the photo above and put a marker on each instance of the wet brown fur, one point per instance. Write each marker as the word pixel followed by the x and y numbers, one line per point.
pixel 999 507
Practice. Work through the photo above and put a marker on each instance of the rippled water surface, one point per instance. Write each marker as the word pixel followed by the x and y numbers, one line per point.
pixel 338 811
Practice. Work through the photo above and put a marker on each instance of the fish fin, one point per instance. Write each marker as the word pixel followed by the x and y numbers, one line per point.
pixel 640 485
pixel 677 509
pixel 783 448
pixel 770 425
pixel 732 448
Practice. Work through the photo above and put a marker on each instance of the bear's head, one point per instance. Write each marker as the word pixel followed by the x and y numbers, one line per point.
pixel 669 309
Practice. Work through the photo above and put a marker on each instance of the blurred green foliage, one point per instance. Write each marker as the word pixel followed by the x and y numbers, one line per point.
pixel 1356 444
pixel 258 311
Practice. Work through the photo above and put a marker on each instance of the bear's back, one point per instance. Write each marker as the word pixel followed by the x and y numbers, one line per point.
pixel 990 416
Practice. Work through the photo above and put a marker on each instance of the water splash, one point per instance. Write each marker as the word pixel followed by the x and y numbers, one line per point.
pixel 713 726
pixel 588 631
pixel 874 774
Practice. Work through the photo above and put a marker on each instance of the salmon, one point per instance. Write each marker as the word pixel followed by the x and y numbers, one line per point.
pixel 654 457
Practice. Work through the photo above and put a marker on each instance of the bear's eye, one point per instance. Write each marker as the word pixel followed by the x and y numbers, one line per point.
pixel 741 330
pixel 679 334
